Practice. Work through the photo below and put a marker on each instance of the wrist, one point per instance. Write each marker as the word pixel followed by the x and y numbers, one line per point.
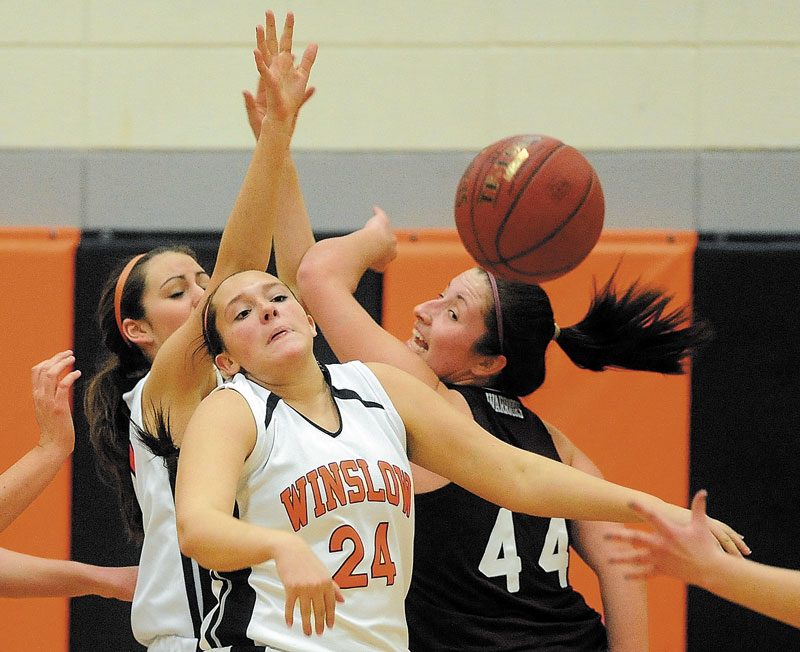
pixel 54 452
pixel 277 127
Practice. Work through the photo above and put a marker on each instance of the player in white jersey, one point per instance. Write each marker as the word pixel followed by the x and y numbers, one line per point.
pixel 171 590
pixel 150 322
pixel 354 482
pixel 230 522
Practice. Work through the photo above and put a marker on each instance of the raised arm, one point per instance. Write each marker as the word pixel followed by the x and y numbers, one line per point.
pixel 247 237
pixel 293 234
pixel 21 483
pixel 180 377
pixel 328 277
pixel 689 553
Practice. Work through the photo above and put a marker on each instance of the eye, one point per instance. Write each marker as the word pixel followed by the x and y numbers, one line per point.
pixel 242 314
pixel 279 298
pixel 452 314
pixel 176 295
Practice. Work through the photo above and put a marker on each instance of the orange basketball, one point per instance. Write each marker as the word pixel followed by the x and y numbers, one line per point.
pixel 529 208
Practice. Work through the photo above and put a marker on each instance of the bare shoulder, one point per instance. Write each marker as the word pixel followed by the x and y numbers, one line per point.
pixel 564 447
pixel 394 379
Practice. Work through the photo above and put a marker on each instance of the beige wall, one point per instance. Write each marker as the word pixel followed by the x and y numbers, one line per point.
pixel 407 75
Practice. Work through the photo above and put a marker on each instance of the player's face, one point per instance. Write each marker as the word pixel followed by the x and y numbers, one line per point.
pixel 174 285
pixel 262 324
pixel 448 327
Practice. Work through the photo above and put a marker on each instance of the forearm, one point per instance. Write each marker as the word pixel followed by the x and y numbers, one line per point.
pixel 624 600
pixel 247 239
pixel 337 263
pixel 25 576
pixel 223 543
pixel 26 479
pixel 625 610
pixel 548 488
pixel 293 234
pixel 771 591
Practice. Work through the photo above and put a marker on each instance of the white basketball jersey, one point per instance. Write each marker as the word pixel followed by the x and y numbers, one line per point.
pixel 349 494
pixel 168 597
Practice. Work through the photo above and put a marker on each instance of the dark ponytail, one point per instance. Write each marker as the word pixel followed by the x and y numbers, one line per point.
pixel 634 331
pixel 123 367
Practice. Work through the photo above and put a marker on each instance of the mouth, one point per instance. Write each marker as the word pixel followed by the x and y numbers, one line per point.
pixel 417 343
pixel 277 334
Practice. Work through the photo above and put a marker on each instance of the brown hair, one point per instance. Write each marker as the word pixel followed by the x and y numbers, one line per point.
pixel 125 364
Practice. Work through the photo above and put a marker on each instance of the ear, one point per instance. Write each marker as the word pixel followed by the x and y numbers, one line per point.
pixel 312 324
pixel 489 365
pixel 137 331
pixel 226 365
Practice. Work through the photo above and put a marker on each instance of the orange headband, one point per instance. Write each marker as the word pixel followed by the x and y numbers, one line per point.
pixel 121 281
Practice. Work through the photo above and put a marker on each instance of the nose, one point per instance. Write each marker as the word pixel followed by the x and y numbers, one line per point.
pixel 268 312
pixel 197 294
pixel 422 312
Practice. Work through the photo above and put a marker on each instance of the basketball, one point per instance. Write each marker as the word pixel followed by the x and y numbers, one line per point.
pixel 529 208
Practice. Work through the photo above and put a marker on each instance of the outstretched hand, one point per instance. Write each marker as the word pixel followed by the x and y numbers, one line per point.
pixel 52 381
pixel 686 552
pixel 267 49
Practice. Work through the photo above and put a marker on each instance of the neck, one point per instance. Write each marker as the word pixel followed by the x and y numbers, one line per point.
pixel 302 382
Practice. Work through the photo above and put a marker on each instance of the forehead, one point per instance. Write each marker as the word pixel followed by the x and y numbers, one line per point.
pixel 244 283
pixel 472 285
pixel 171 263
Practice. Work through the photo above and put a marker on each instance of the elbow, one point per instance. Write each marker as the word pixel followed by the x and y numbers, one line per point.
pixel 192 541
pixel 309 272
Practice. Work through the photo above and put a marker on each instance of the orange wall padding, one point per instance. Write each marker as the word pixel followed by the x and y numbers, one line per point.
pixel 37 268
pixel 633 425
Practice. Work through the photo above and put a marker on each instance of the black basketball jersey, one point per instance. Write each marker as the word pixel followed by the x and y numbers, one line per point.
pixel 485 578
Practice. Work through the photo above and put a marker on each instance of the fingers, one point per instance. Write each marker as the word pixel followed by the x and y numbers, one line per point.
pixel 307 61
pixel 271 37
pixel 267 36
pixel 320 608
pixel 699 507
pixel 309 92
pixel 46 376
pixel 305 614
pixel 636 538
pixel 288 33
pixel 288 614
pixel 730 543
pixel 65 385
pixel 319 604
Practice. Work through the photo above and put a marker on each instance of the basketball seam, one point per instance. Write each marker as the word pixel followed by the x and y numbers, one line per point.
pixel 556 231
pixel 514 203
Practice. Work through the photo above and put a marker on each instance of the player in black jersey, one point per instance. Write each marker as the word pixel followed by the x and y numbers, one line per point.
pixel 484 577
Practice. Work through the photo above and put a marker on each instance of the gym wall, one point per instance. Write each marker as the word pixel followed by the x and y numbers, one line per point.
pixel 727 428
pixel 687 110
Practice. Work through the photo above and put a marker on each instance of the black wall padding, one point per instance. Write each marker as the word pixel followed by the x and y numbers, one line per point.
pixel 745 429
pixel 97 533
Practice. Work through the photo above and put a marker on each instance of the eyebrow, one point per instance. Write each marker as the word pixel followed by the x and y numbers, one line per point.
pixel 182 277
pixel 266 286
